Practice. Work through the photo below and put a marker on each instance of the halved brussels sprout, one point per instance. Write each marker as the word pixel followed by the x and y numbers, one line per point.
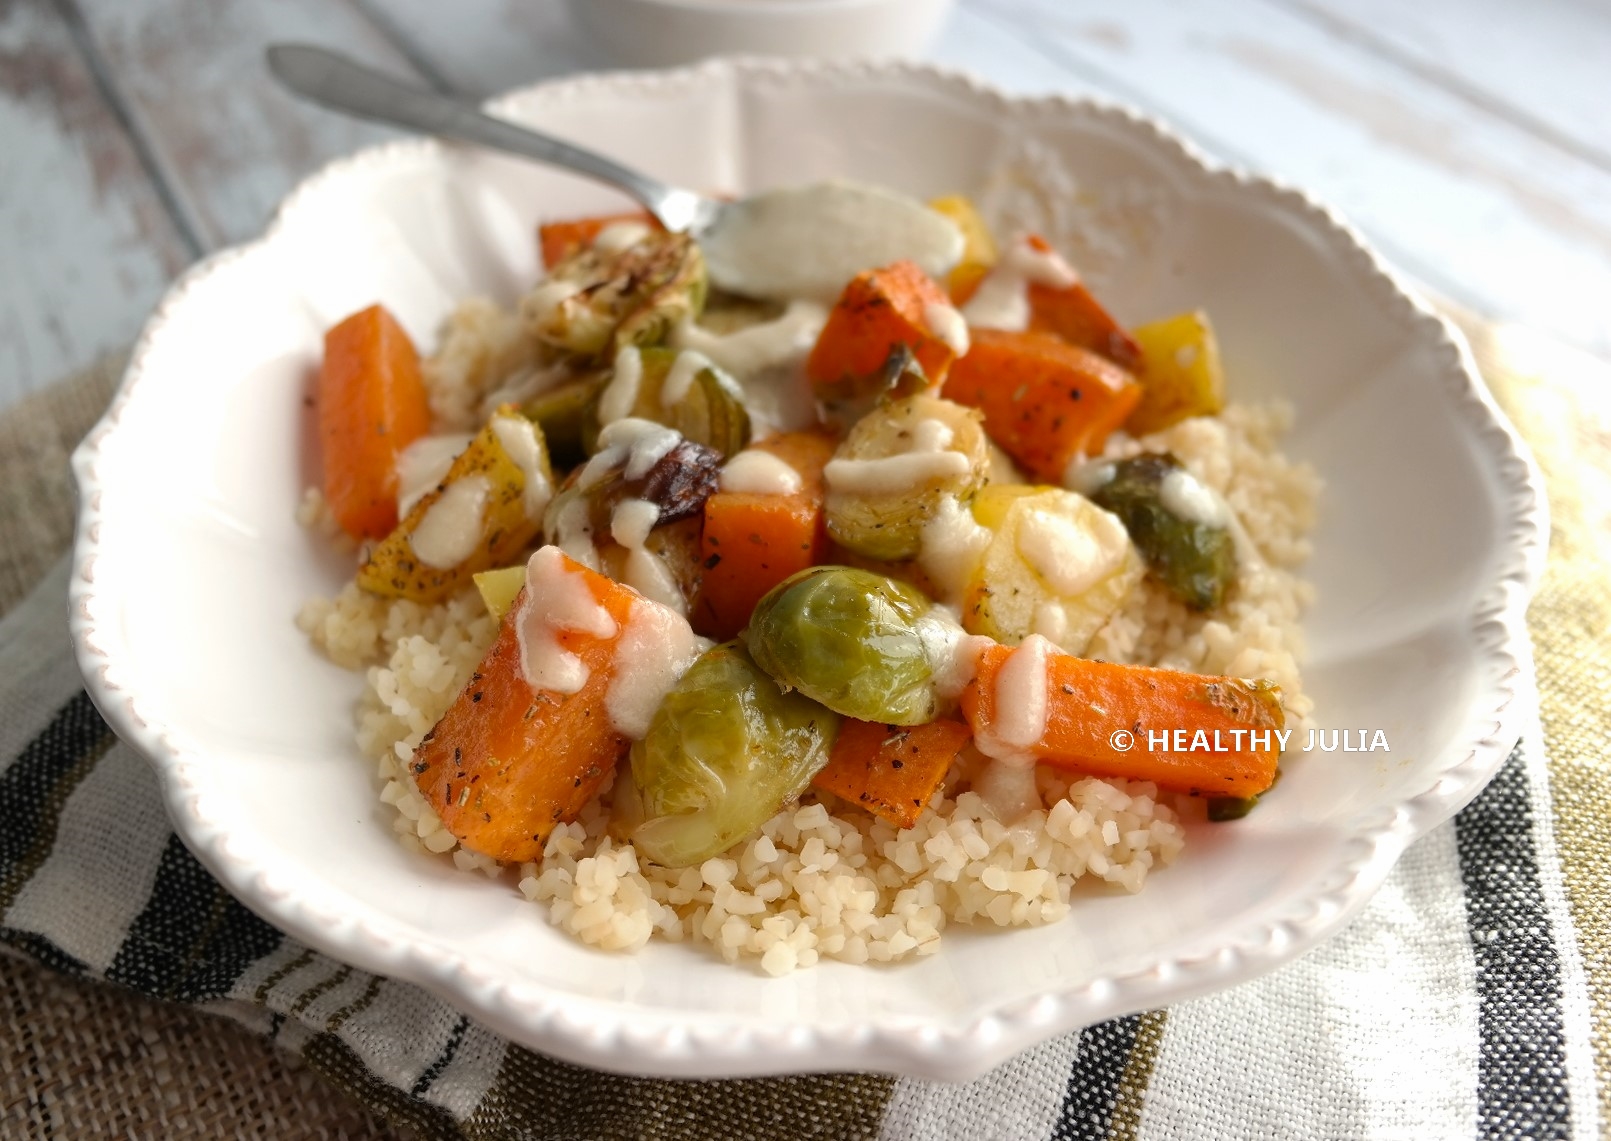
pixel 850 639
pixel 565 414
pixel 1179 526
pixel 898 463
pixel 681 390
pixel 725 751
pixel 598 300
pixel 1057 565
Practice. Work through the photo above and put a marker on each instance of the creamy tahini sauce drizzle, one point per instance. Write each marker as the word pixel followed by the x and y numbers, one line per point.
pixel 573 533
pixel 948 325
pixel 1021 700
pixel 765 360
pixel 680 377
pixel 424 464
pixel 808 241
pixel 1187 497
pixel 1002 299
pixel 645 571
pixel 631 444
pixel 517 436
pixel 621 394
pixel 760 473
pixel 1071 558
pixel 655 649
pixel 450 530
pixel 951 546
pixel 927 460
pixel 557 600
pixel 952 653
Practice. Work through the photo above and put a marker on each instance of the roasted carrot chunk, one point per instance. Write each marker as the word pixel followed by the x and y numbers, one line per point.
pixel 559 240
pixel 1208 736
pixel 891 770
pixel 879 310
pixel 1078 318
pixel 372 405
pixel 1044 400
pixel 752 540
pixel 509 760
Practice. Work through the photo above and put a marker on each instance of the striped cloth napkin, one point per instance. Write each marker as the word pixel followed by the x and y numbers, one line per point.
pixel 1472 998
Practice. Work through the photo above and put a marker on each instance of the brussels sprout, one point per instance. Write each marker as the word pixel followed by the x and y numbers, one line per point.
pixel 1178 525
pixel 596 301
pixel 889 476
pixel 724 752
pixel 850 639
pixel 565 414
pixel 848 400
pixel 705 404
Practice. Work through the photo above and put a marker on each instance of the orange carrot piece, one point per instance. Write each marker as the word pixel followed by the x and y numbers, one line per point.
pixel 507 761
pixel 559 240
pixel 372 405
pixel 891 770
pixel 1077 317
pixel 1044 400
pixel 752 541
pixel 879 309
pixel 1105 719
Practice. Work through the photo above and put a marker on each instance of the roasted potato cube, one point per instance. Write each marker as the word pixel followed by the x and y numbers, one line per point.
pixel 483 514
pixel 1180 374
pixel 979 252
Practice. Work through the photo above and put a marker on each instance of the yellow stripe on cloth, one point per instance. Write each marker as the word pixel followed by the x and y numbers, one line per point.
pixel 1560 399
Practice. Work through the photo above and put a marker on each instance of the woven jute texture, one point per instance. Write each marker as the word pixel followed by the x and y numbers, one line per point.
pixel 88 1060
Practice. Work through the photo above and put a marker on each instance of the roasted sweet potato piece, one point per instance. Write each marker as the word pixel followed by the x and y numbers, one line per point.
pixel 879 310
pixel 891 770
pixel 1045 401
pixel 372 405
pixel 1073 314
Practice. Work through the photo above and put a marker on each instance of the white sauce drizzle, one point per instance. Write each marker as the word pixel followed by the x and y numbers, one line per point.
pixel 630 444
pixel 1008 789
pixel 621 394
pixel 655 649
pixel 760 473
pixel 618 236
pixel 927 460
pixel 450 530
pixel 947 324
pixel 539 305
pixel 557 601
pixel 953 654
pixel 573 532
pixel 518 438
pixel 1020 705
pixel 424 464
pixel 1069 556
pixel 645 571
pixel 681 376
pixel 1187 497
pixel 1051 623
pixel 1087 477
pixel 1002 299
pixel 951 546
pixel 784 340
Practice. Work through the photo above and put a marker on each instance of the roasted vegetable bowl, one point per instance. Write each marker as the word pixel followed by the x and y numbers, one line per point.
pixel 1417 638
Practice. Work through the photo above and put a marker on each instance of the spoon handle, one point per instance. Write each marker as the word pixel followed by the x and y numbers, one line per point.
pixel 341 84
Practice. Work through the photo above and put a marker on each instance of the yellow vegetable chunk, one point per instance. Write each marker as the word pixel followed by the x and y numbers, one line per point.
pixel 484 513
pixel 1057 565
pixel 1180 376
pixel 979 252
pixel 499 588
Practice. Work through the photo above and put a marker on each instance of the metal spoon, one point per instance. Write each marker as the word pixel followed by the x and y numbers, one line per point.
pixel 779 244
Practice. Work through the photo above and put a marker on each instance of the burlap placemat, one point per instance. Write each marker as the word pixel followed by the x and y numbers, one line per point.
pixel 81 1059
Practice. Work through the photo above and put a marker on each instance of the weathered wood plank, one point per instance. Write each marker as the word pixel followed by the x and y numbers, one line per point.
pixel 1480 208
pixel 1545 65
pixel 228 141
pixel 87 245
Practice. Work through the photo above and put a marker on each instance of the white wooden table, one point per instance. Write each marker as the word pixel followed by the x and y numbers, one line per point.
pixel 1469 139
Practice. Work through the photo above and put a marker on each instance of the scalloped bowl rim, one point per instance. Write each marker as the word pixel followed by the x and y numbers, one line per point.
pixel 619 1037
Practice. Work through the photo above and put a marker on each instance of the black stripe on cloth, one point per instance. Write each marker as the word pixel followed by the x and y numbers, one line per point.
pixel 192 940
pixel 1521 1062
pixel 42 950
pixel 1093 1082
pixel 443 1059
pixel 35 786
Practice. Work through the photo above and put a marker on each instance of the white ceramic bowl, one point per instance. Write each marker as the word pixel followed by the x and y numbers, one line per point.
pixel 189 566
pixel 663 33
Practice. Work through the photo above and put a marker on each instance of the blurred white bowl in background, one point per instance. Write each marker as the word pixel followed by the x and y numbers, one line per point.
pixel 659 33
